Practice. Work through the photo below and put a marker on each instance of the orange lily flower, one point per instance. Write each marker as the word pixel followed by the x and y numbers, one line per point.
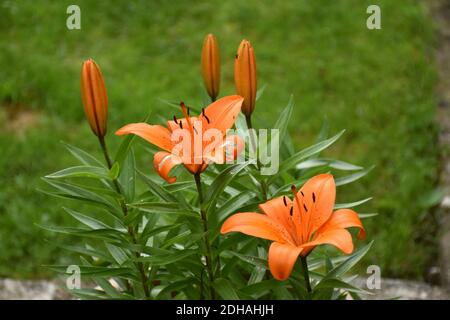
pixel 211 66
pixel 245 76
pixel 218 117
pixel 93 94
pixel 297 226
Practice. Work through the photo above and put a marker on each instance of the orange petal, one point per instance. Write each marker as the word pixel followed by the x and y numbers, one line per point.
pixel 163 162
pixel 254 224
pixel 340 238
pixel 155 134
pixel 282 258
pixel 278 209
pixel 172 125
pixel 228 150
pixel 318 195
pixel 233 146
pixel 342 219
pixel 222 113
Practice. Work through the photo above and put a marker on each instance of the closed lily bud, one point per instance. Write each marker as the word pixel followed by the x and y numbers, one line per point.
pixel 211 66
pixel 245 76
pixel 93 94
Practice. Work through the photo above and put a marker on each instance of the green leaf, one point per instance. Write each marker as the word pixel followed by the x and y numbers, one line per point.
pixel 93 271
pixel 81 172
pixel 84 157
pixel 89 294
pixel 292 161
pixel 258 271
pixel 225 289
pixel 174 286
pixel 260 91
pixel 92 223
pixel 102 234
pixel 161 207
pixel 352 177
pixel 164 259
pixel 156 189
pixel 342 165
pixel 117 253
pixel 83 251
pixel 220 182
pixel 127 177
pixel 281 125
pixel 71 191
pixel 348 263
pixel 108 288
pixel 283 120
pixel 256 261
pixel 148 233
pixel 233 204
pixel 124 149
pixel 335 164
pixel 367 215
pixel 114 171
pixel 351 204
pixel 256 290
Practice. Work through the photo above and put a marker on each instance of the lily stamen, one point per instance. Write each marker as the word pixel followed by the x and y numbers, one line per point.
pixel 204 115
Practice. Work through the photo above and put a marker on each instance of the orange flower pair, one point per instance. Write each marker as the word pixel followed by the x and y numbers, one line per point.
pixel 217 118
pixel 297 226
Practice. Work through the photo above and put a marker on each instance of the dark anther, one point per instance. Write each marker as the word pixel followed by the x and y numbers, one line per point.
pixel 188 111
pixel 290 211
pixel 284 200
pixel 236 56
pixel 314 197
pixel 293 188
pixel 204 114
pixel 306 209
pixel 175 119
pixel 181 124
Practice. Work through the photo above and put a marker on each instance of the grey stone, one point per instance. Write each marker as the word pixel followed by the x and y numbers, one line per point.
pixel 31 290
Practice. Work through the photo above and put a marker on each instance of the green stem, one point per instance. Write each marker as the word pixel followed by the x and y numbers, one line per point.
pixel 208 255
pixel 131 231
pixel 248 120
pixel 306 273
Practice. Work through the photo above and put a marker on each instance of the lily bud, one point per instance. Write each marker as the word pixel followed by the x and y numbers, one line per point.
pixel 93 94
pixel 245 76
pixel 211 66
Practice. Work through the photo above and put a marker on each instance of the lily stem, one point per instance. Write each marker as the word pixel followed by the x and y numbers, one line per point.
pixel 248 120
pixel 208 255
pixel 131 231
pixel 306 273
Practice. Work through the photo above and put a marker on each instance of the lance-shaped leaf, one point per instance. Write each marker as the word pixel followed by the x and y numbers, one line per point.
pixel 306 153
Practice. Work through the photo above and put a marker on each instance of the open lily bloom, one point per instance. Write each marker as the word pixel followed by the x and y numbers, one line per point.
pixel 297 226
pixel 193 141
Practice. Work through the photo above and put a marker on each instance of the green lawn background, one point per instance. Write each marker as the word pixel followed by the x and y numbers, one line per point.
pixel 377 84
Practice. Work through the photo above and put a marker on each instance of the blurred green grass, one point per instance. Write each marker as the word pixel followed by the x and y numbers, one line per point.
pixel 379 85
